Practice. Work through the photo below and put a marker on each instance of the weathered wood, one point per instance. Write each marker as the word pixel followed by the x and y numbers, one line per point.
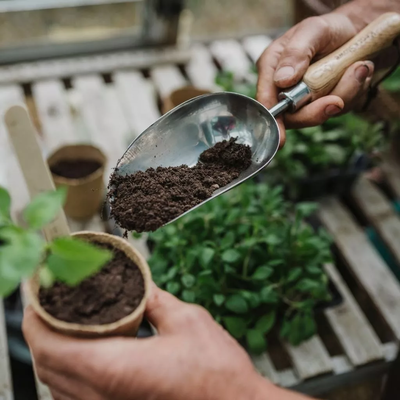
pixel 288 378
pixel 138 100
pixel 341 365
pixel 351 327
pixel 380 213
pixel 201 69
pixel 231 56
pixel 265 367
pixel 391 168
pixel 6 391
pixel 310 358
pixel 167 78
pixel 255 46
pixel 364 261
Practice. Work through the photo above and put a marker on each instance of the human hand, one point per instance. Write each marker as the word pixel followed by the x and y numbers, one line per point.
pixel 192 358
pixel 286 60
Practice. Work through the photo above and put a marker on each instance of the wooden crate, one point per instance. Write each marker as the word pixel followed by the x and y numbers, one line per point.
pixel 356 339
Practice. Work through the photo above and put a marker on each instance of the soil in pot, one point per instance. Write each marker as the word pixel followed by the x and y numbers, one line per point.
pixel 110 295
pixel 145 201
pixel 75 169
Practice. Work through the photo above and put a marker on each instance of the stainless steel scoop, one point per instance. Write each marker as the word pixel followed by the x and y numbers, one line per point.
pixel 181 135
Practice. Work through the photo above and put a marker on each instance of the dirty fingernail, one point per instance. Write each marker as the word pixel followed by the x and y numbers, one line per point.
pixel 284 73
pixel 332 110
pixel 362 73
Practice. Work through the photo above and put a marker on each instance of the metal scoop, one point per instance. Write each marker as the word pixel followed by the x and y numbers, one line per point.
pixel 181 135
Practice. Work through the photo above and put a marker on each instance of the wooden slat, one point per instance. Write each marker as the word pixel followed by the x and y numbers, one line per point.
pixel 5 372
pixel 138 100
pixel 201 69
pixel 167 78
pixel 391 169
pixel 288 378
pixel 231 56
pixel 341 365
pixel 310 358
pixel 255 46
pixel 364 261
pixel 54 114
pixel 105 121
pixel 380 213
pixel 351 327
pixel 265 367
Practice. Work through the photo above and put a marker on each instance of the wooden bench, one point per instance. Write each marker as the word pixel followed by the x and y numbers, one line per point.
pixel 357 339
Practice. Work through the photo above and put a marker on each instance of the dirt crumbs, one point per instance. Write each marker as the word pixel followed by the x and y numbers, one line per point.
pixel 113 293
pixel 144 201
pixel 75 169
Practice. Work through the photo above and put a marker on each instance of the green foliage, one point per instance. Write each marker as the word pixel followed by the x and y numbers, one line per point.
pixel 228 82
pixel 392 83
pixel 22 251
pixel 250 259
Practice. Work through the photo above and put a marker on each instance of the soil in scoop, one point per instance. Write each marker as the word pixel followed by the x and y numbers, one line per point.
pixel 111 294
pixel 75 169
pixel 144 201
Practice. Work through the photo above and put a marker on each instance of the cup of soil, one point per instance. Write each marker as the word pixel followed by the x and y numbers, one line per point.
pixel 181 95
pixel 81 169
pixel 110 303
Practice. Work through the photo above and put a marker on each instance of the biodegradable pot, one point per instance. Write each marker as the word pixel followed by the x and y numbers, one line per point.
pixel 127 326
pixel 85 195
pixel 181 95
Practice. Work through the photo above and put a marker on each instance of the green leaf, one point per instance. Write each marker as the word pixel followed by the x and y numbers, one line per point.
pixel 306 208
pixel 219 299
pixel 236 326
pixel 262 273
pixel 314 270
pixel 266 322
pixel 189 296
pixel 44 208
pixel 206 256
pixel 5 205
pixel 300 328
pixel 46 277
pixel 72 260
pixel 268 295
pixel 236 304
pixel 307 285
pixel 294 274
pixel 256 341
pixel 7 285
pixel 188 280
pixel 173 287
pixel 228 240
pixel 230 256
pixel 272 239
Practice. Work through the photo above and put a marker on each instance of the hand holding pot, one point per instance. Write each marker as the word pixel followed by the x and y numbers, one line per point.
pixel 192 358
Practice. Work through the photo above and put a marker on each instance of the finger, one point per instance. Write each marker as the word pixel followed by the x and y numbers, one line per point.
pixel 315 113
pixel 56 395
pixel 315 35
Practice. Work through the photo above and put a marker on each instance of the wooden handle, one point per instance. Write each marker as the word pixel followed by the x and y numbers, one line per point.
pixel 323 76
pixel 34 168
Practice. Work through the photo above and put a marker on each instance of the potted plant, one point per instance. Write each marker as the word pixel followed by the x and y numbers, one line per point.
pixel 251 260
pixel 81 169
pixel 75 283
pixel 181 95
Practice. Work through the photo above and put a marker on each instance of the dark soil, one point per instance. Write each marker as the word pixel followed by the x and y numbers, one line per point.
pixel 75 169
pixel 145 201
pixel 106 297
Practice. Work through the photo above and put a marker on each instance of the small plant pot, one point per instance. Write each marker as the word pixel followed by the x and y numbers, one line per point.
pixel 181 95
pixel 81 169
pixel 127 326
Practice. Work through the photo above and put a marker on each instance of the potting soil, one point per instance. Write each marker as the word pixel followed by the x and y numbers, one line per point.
pixel 145 201
pixel 75 169
pixel 111 294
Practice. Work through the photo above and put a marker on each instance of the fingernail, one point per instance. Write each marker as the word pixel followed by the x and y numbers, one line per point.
pixel 362 73
pixel 332 110
pixel 284 73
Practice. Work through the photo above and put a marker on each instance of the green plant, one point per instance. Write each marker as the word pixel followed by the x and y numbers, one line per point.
pixel 230 83
pixel 250 259
pixel 392 83
pixel 22 250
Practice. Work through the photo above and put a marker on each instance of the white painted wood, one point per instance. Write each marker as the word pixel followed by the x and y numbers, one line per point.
pixel 310 358
pixel 350 325
pixel 379 212
pixel 288 378
pixel 54 114
pixel 341 365
pixel 391 169
pixel 138 100
pixel 265 367
pixel 201 69
pixel 255 46
pixel 231 56
pixel 167 78
pixel 364 261
pixel 390 351
pixel 6 390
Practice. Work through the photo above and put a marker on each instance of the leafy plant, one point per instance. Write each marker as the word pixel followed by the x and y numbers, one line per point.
pixel 392 83
pixel 228 82
pixel 22 250
pixel 250 259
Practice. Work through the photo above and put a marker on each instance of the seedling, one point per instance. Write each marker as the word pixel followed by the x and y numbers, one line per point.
pixel 23 250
